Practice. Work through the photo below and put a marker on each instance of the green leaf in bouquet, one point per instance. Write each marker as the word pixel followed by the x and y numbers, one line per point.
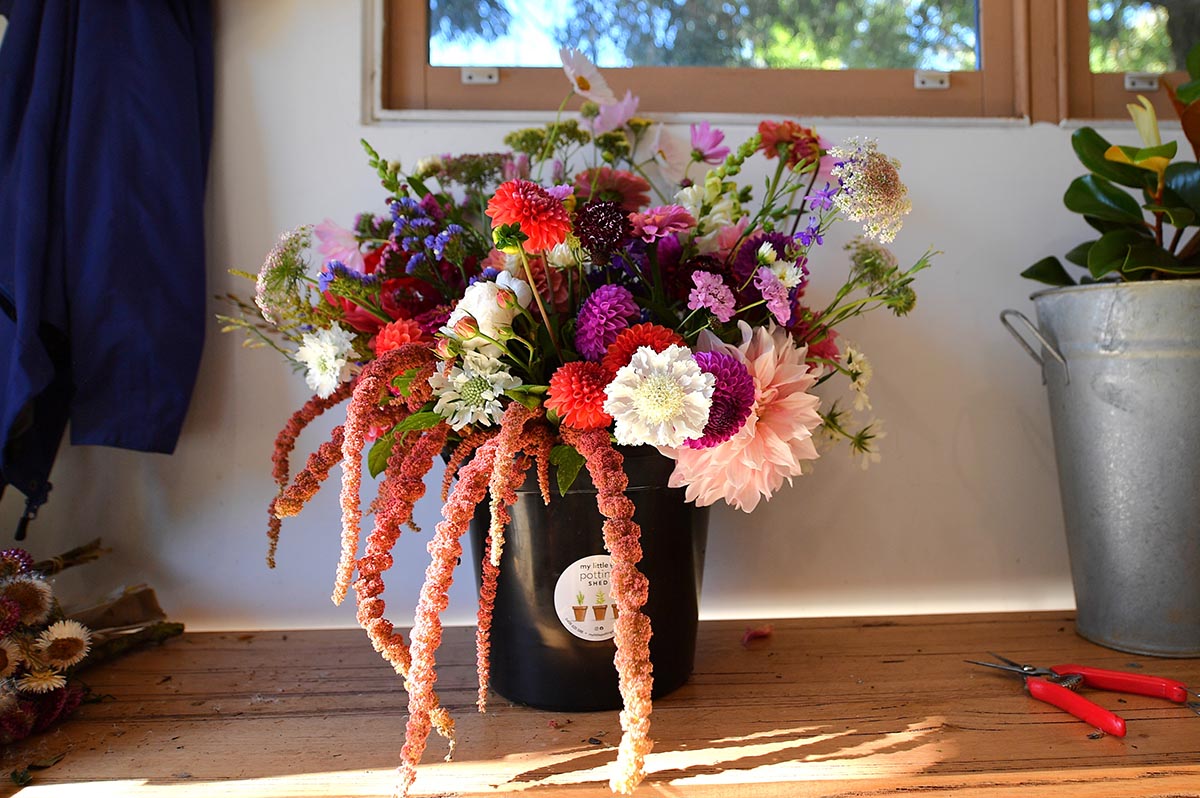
pixel 1111 252
pixel 567 461
pixel 403 383
pixel 1179 217
pixel 1079 254
pixel 1050 271
pixel 426 419
pixel 1090 146
pixel 379 453
pixel 1154 159
pixel 1093 195
pixel 1183 180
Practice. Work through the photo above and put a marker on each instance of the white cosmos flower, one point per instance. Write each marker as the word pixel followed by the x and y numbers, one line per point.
pixel 471 394
pixel 328 357
pixel 585 79
pixel 481 301
pixel 660 398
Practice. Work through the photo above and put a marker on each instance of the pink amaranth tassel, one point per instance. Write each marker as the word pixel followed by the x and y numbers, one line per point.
pixel 445 549
pixel 622 538
pixel 293 498
pixel 285 442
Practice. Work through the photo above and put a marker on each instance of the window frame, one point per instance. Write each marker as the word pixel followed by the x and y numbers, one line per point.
pixel 1034 56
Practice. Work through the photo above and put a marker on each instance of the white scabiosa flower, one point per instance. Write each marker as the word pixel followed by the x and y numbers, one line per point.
pixel 660 398
pixel 471 394
pixel 328 357
pixel 10 658
pixel 64 643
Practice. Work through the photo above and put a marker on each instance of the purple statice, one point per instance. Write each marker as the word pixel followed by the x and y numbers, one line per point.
pixel 811 234
pixel 732 399
pixel 437 244
pixel 605 313
pixel 334 269
pixel 775 293
pixel 822 198
pixel 712 294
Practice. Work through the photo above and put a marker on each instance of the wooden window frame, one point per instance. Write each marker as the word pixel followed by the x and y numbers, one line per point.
pixel 1034 66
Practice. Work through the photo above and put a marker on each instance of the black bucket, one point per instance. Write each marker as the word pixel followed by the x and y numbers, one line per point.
pixel 558 655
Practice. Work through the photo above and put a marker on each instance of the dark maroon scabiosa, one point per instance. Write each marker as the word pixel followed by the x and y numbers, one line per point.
pixel 732 399
pixel 602 229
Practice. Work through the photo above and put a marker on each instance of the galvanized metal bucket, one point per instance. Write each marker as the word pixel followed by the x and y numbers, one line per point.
pixel 1121 364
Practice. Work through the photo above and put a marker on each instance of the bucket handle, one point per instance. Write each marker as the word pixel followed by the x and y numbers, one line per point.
pixel 1054 353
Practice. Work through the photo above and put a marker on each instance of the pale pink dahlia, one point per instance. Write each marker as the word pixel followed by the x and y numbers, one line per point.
pixel 775 438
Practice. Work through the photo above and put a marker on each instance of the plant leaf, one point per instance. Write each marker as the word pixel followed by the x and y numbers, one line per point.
pixel 1079 254
pixel 1111 252
pixel 1188 92
pixel 1183 179
pixel 568 462
pixel 1049 270
pixel 379 453
pixel 1093 195
pixel 1179 217
pixel 1090 146
pixel 426 419
pixel 1148 256
pixel 1102 225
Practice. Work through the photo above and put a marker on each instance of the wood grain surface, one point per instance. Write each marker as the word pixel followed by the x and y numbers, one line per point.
pixel 822 707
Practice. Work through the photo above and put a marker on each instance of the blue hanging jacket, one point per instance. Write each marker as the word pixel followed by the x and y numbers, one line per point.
pixel 105 122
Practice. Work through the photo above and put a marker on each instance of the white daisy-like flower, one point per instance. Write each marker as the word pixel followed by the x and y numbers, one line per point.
pixel 585 79
pixel 660 398
pixel 860 376
pixel 10 658
pixel 64 643
pixel 471 394
pixel 713 207
pixel 328 357
pixel 41 680
pixel 31 594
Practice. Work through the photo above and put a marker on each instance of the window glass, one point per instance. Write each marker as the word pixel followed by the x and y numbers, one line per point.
pixel 796 34
pixel 1139 36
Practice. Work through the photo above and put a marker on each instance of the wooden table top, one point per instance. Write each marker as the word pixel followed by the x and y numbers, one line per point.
pixel 822 707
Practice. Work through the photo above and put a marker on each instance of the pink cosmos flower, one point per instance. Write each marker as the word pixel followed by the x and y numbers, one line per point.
pixel 615 115
pixel 775 438
pixel 660 222
pixel 706 144
pixel 338 243
pixel 712 294
pixel 585 79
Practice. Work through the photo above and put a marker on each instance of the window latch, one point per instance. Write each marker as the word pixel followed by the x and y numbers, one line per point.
pixel 931 79
pixel 1141 81
pixel 480 75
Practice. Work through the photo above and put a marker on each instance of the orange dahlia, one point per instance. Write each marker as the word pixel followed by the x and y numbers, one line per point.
pixel 605 184
pixel 540 214
pixel 577 394
pixel 397 334
pixel 628 341
pixel 801 143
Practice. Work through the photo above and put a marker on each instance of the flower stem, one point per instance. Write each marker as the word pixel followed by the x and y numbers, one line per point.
pixel 547 319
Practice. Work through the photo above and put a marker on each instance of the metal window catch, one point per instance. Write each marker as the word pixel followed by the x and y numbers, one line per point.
pixel 931 79
pixel 480 75
pixel 1046 345
pixel 1141 81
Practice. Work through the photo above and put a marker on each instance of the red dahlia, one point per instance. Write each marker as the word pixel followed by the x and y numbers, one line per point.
pixel 542 217
pixel 577 394
pixel 630 340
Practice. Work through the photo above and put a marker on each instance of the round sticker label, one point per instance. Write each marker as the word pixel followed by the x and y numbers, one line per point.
pixel 582 599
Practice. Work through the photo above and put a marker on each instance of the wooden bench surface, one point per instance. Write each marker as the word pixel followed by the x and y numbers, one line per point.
pixel 822 707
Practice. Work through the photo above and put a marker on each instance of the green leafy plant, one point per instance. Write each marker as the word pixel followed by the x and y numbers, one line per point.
pixel 1138 240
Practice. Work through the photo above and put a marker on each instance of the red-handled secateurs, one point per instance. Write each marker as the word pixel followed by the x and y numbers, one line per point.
pixel 1056 686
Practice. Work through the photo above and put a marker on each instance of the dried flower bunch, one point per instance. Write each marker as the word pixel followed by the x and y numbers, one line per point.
pixel 599 283
pixel 39 649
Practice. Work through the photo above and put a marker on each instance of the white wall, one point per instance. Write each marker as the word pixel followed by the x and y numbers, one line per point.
pixel 961 515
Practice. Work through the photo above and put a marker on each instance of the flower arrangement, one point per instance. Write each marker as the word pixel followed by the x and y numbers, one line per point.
pixel 1137 240
pixel 39 649
pixel 600 282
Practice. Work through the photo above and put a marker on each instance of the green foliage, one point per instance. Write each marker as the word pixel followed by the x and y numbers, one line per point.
pixel 567 462
pixel 1145 205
